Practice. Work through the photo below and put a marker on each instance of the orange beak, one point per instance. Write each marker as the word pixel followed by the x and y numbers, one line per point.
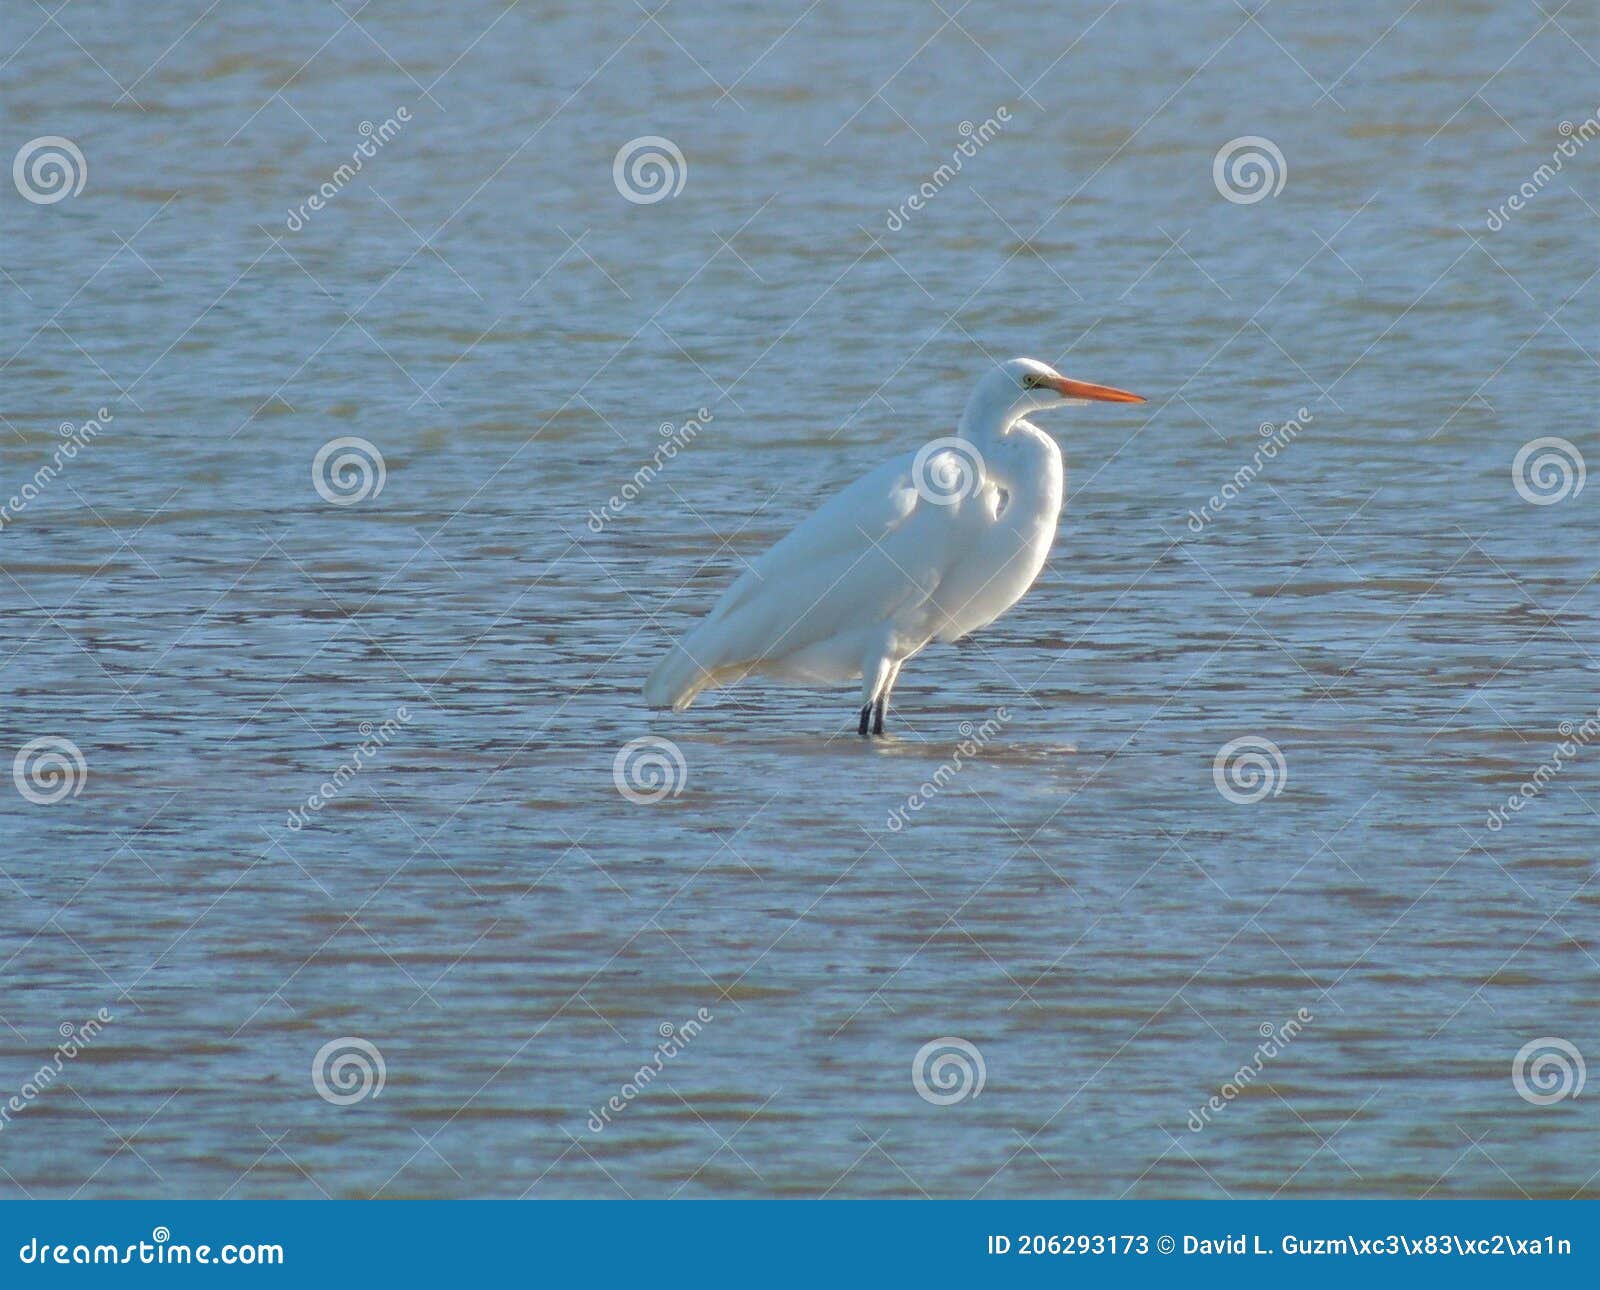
pixel 1071 389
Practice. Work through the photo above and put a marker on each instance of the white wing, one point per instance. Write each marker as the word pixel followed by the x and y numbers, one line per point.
pixel 862 567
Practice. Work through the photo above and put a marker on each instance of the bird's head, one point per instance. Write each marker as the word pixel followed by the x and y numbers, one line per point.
pixel 1025 385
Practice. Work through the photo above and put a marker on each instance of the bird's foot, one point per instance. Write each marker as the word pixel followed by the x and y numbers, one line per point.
pixel 877 718
pixel 866 715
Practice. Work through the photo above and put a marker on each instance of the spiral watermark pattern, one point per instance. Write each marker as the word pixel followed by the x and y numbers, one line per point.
pixel 348 470
pixel 948 1070
pixel 347 1070
pixel 648 769
pixel 1248 169
pixel 947 471
pixel 1249 768
pixel 49 769
pixel 1548 470
pixel 649 169
pixel 49 169
pixel 1548 1070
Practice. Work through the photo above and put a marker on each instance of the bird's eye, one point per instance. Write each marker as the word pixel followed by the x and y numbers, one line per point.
pixel 1030 382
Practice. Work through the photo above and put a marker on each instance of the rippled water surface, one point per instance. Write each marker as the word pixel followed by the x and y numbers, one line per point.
pixel 1072 896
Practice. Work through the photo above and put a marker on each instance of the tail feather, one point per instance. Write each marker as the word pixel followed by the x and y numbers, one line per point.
pixel 675 681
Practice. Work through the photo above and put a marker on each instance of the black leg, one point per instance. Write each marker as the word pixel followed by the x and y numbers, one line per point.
pixel 877 717
pixel 866 712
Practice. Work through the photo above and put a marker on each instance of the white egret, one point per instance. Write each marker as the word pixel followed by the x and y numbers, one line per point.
pixel 929 546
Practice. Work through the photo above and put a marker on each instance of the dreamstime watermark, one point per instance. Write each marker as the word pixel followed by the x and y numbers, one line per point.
pixel 973 138
pixel 948 1070
pixel 947 471
pixel 348 470
pixel 648 769
pixel 1548 1070
pixel 1548 470
pixel 347 1070
pixel 1274 439
pixel 373 137
pixel 973 738
pixel 674 439
pixel 649 169
pixel 1573 137
pixel 1249 768
pixel 73 438
pixel 1248 169
pixel 160 1250
pixel 1274 1039
pixel 1573 740
pixel 74 1039
pixel 373 740
pixel 49 769
pixel 674 1039
pixel 48 169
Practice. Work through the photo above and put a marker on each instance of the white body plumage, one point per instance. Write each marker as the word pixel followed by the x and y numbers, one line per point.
pixel 929 546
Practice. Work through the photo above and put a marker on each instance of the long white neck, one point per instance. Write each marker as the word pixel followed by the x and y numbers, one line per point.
pixel 1024 466
pixel 988 416
pixel 1017 455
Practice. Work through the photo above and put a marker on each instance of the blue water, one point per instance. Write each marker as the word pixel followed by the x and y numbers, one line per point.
pixel 1077 900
